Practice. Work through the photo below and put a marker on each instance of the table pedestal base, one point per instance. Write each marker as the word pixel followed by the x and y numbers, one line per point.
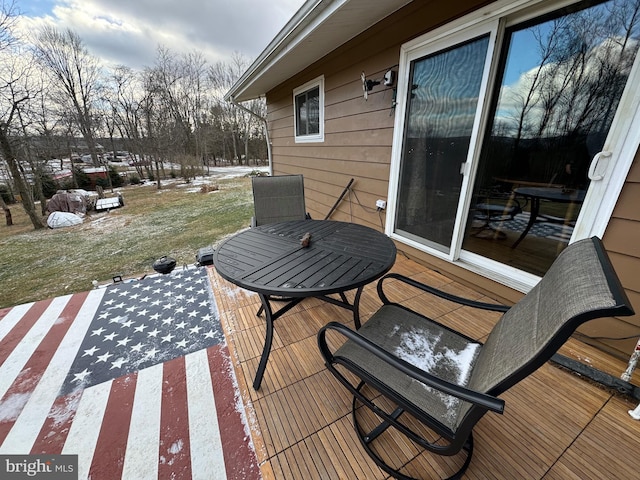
pixel 271 316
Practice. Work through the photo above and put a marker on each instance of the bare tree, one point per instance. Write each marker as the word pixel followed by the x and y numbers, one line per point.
pixel 238 123
pixel 176 88
pixel 223 75
pixel 46 122
pixel 125 105
pixel 154 119
pixel 8 13
pixel 196 86
pixel 77 75
pixel 7 19
pixel 125 100
pixel 15 168
pixel 14 92
pixel 588 69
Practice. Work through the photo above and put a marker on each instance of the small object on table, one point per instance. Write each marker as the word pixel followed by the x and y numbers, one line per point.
pixel 306 240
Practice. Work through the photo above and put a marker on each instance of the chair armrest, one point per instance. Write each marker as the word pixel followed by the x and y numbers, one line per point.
pixel 481 399
pixel 439 293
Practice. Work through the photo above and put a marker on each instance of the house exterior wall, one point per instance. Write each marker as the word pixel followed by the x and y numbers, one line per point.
pixel 358 140
pixel 358 133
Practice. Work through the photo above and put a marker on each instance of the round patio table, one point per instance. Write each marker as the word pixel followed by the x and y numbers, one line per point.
pixel 301 259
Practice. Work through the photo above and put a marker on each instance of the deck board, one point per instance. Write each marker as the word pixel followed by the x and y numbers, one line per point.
pixel 556 425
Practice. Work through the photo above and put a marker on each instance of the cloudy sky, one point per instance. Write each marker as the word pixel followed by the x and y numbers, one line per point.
pixel 128 32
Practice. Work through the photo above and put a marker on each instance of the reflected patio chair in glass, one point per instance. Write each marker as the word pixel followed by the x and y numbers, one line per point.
pixel 493 210
pixel 432 384
pixel 278 199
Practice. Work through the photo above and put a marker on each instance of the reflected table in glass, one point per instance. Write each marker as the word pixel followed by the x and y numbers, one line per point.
pixel 275 261
pixel 536 194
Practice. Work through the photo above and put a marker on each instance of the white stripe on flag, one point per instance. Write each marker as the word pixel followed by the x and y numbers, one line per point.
pixel 26 428
pixel 13 317
pixel 84 431
pixel 141 458
pixel 207 458
pixel 16 360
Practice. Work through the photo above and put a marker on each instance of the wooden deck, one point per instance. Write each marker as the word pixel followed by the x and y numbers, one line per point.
pixel 556 424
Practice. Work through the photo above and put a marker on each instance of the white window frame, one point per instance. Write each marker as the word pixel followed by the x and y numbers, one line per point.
pixel 316 137
pixel 623 141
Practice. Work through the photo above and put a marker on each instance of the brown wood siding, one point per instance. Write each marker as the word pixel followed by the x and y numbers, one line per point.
pixel 358 139
pixel 622 241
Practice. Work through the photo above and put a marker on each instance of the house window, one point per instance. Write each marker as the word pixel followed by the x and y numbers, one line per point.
pixel 308 101
pixel 510 143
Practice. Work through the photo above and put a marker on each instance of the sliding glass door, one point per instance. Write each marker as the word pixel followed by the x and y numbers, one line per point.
pixel 442 105
pixel 501 147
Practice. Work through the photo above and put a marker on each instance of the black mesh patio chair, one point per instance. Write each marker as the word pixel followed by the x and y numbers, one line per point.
pixel 278 199
pixel 418 375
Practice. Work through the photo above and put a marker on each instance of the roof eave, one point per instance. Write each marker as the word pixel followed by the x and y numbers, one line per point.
pixel 304 40
pixel 302 17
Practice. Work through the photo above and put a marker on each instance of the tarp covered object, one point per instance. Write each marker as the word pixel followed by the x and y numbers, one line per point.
pixel 63 219
pixel 67 202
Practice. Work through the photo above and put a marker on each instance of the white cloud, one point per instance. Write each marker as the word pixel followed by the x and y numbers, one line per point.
pixel 129 32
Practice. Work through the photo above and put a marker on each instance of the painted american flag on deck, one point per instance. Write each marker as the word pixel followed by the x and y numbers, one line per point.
pixel 134 378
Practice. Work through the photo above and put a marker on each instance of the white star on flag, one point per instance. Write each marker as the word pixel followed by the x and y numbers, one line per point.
pixel 125 337
pixel 90 351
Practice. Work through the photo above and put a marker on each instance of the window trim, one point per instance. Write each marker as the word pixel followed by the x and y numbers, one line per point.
pixel 310 85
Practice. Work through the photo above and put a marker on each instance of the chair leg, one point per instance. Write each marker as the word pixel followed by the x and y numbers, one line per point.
pixel 496 234
pixel 380 429
pixel 367 438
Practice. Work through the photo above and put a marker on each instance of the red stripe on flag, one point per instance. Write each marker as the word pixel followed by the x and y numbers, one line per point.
pixel 56 426
pixel 175 448
pixel 3 312
pixel 20 391
pixel 239 458
pixel 20 329
pixel 108 457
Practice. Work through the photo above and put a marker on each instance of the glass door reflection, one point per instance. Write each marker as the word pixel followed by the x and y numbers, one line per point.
pixel 561 82
pixel 441 107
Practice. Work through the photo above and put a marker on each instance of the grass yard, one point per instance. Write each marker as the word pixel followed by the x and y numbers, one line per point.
pixel 175 221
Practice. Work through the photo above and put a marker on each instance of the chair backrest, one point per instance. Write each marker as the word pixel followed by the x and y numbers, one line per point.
pixel 580 285
pixel 278 199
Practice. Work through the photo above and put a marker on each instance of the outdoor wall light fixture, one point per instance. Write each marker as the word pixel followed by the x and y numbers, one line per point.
pixel 388 80
pixel 367 85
